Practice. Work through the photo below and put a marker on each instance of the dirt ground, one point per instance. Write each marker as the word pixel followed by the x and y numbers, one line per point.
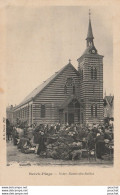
pixel 15 156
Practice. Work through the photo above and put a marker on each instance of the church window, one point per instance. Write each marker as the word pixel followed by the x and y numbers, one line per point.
pixel 82 74
pixel 91 72
pixel 20 113
pixel 78 115
pixel 43 111
pixel 91 110
pixel 23 113
pixel 82 118
pixel 27 111
pixel 74 89
pixel 93 89
pixel 31 114
pixel 95 73
pixel 65 89
pixel 65 117
pixel 95 110
pixel 69 81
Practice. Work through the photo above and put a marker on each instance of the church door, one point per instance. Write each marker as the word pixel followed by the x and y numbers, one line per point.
pixel 70 118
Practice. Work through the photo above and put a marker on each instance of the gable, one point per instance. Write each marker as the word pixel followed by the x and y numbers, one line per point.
pixel 38 90
pixel 54 92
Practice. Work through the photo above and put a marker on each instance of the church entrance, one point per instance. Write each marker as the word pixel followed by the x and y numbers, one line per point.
pixel 70 114
pixel 70 118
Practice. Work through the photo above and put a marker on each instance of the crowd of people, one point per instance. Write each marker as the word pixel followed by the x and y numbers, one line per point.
pixel 67 142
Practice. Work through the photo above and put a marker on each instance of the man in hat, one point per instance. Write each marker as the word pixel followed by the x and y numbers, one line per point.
pixel 100 145
pixel 41 146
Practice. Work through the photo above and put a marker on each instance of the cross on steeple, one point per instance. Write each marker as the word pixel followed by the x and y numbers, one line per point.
pixel 90 33
pixel 69 61
pixel 89 13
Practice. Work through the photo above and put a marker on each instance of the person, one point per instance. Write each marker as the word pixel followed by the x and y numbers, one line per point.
pixel 46 129
pixel 58 127
pixel 27 143
pixel 9 130
pixel 41 146
pixel 51 130
pixel 27 146
pixel 90 140
pixel 100 145
pixel 15 136
pixel 55 127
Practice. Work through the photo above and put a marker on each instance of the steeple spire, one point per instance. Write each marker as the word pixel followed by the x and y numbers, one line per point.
pixel 90 33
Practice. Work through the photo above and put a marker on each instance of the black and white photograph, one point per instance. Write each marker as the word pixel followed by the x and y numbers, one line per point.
pixel 60 95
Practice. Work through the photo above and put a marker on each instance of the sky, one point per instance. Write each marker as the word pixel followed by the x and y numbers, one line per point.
pixel 41 40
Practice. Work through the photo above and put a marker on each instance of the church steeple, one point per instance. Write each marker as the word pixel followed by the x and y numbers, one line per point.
pixel 90 37
pixel 90 67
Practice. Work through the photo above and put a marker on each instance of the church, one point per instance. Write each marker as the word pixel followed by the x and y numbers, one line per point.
pixel 68 96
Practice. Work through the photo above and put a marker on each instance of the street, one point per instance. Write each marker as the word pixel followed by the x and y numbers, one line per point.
pixel 15 156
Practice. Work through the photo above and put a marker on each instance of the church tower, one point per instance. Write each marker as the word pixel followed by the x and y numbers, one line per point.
pixel 90 67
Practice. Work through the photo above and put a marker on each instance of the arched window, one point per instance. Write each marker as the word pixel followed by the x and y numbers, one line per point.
pixel 82 118
pixel 78 115
pixel 65 89
pixel 93 89
pixel 31 114
pixel 95 110
pixel 95 73
pixel 91 72
pixel 43 111
pixel 82 74
pixel 20 113
pixel 74 89
pixel 91 110
pixel 66 118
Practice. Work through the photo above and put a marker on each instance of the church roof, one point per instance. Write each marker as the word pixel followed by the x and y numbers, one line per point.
pixel 42 86
pixel 90 33
pixel 87 50
pixel 109 99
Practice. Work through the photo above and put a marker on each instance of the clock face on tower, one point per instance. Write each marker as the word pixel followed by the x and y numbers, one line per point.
pixel 93 51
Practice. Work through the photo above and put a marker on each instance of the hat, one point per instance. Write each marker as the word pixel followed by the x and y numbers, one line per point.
pixel 98 134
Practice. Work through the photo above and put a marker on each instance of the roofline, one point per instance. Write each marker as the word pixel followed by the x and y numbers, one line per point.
pixel 56 76
pixel 75 70
pixel 27 101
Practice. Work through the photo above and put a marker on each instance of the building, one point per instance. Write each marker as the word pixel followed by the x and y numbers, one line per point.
pixel 70 95
pixel 109 107
pixel 10 114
